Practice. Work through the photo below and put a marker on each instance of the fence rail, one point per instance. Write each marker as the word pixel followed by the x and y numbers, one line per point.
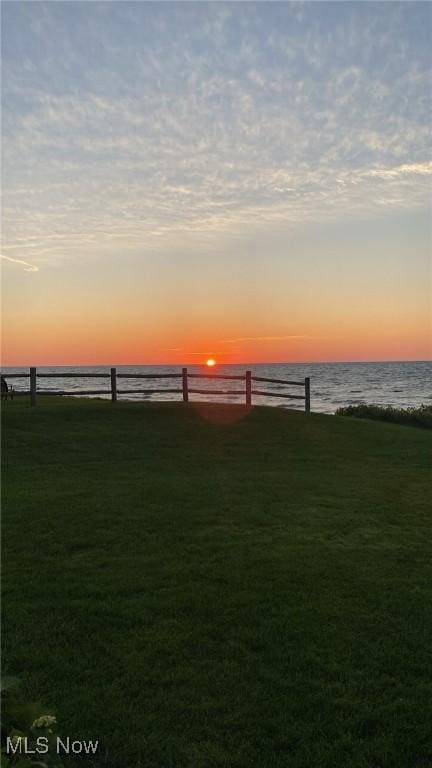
pixel 185 389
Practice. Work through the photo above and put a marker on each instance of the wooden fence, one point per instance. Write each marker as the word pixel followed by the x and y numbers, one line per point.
pixel 185 390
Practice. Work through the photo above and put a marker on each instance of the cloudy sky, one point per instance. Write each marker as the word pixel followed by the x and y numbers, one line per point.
pixel 250 180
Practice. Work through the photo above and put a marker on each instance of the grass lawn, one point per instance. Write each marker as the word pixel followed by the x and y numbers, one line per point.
pixel 197 592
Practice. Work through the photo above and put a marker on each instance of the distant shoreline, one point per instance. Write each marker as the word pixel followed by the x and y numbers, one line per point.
pixel 220 364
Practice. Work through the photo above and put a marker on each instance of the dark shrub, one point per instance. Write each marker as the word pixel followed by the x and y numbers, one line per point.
pixel 413 417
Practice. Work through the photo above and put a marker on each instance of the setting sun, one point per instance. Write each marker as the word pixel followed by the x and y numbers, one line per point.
pixel 211 362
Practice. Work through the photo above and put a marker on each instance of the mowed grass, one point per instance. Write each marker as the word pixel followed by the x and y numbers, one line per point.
pixel 208 588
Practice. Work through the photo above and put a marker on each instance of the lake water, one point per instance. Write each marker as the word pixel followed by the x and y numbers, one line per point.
pixel 400 384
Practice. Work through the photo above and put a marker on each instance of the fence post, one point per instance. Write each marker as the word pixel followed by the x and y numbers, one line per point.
pixel 113 385
pixel 248 387
pixel 185 385
pixel 32 386
pixel 307 394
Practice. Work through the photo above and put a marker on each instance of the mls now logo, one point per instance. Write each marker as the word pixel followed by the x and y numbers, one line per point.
pixel 40 746
pixel 19 745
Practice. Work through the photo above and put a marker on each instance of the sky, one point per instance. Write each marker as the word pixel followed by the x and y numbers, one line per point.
pixel 244 181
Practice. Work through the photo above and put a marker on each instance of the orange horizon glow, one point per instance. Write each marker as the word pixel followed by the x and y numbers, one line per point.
pixel 48 351
pixel 72 332
pixel 351 351
pixel 61 336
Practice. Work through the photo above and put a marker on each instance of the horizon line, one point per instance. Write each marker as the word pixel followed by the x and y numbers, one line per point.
pixel 181 365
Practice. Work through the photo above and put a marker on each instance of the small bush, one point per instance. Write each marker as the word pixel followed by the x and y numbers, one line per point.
pixel 22 723
pixel 413 417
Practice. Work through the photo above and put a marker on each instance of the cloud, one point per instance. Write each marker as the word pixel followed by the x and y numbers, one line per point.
pixel 184 351
pixel 27 267
pixel 422 169
pixel 207 121
pixel 268 338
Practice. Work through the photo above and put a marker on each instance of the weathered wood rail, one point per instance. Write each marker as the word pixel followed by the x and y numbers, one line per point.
pixel 185 390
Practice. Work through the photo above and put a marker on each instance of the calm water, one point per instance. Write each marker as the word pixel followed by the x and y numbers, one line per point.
pixel 332 384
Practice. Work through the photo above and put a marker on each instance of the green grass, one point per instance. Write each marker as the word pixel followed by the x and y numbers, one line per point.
pixel 200 594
